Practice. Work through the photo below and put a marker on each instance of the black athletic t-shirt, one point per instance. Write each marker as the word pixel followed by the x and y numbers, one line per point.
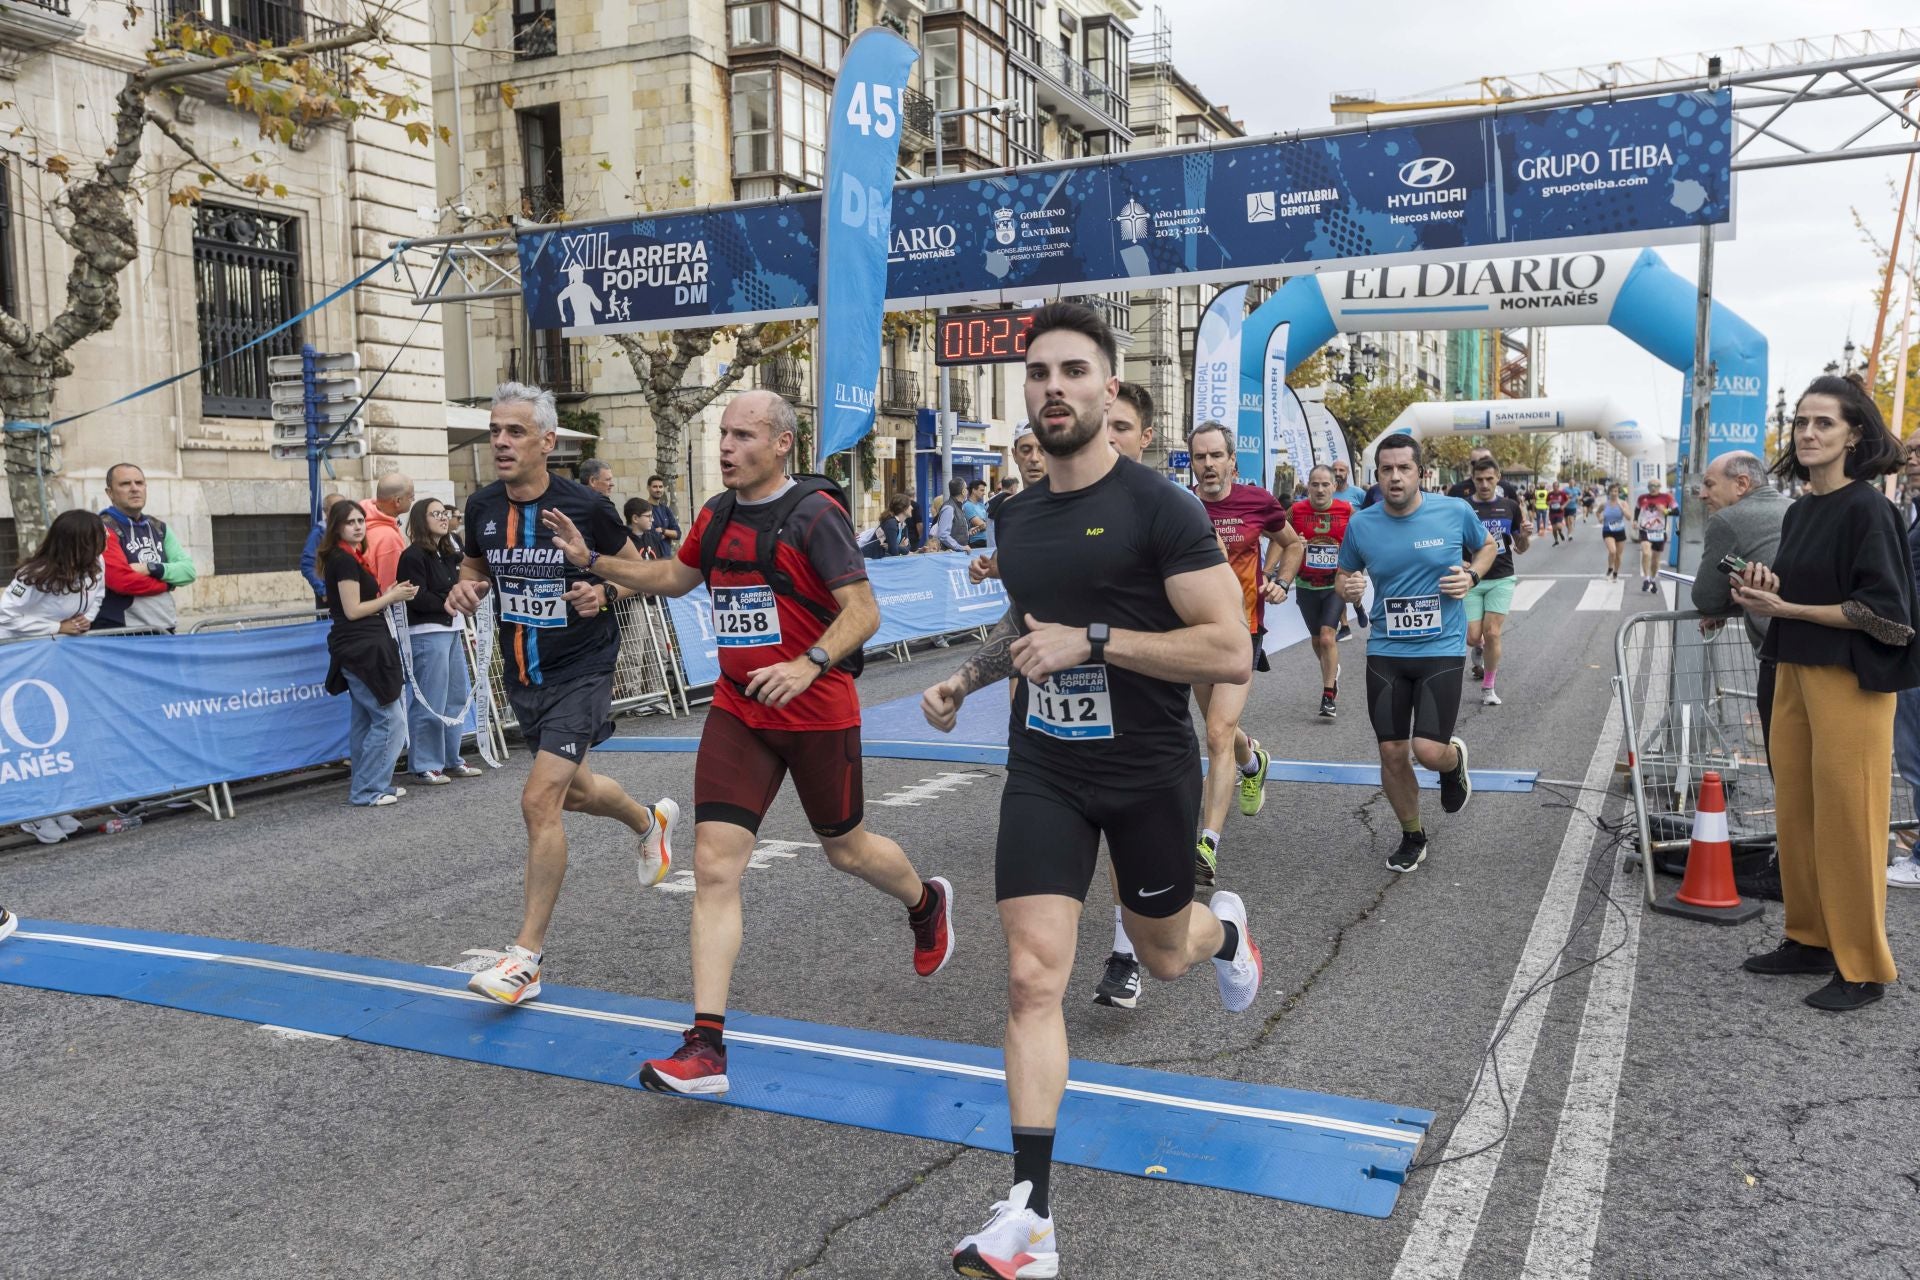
pixel 541 638
pixel 1102 554
pixel 1501 517
pixel 1463 489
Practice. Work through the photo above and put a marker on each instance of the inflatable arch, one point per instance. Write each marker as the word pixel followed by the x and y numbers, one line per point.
pixel 1634 291
pixel 1596 415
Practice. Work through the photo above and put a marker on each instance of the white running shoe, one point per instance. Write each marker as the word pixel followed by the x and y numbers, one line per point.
pixel 1903 873
pixel 1488 698
pixel 45 830
pixel 513 979
pixel 8 923
pixel 1240 976
pixel 67 823
pixel 1016 1243
pixel 656 847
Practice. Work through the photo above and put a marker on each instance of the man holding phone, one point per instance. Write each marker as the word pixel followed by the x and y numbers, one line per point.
pixel 1743 526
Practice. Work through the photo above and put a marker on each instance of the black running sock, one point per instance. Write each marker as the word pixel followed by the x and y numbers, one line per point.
pixel 1033 1162
pixel 711 1027
pixel 1230 934
pixel 923 908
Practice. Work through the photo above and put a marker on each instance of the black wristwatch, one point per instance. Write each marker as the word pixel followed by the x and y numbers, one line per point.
pixel 1098 633
pixel 1474 576
pixel 608 593
pixel 820 658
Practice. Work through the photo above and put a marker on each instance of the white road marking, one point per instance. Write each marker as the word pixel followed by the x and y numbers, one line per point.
pixel 926 789
pixel 682 881
pixel 293 1033
pixel 1442 1235
pixel 1527 593
pixel 1603 596
pixel 1568 1220
pixel 1411 1135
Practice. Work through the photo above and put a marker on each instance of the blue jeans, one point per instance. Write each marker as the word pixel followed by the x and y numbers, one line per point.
pixel 1906 740
pixel 375 736
pixel 440 667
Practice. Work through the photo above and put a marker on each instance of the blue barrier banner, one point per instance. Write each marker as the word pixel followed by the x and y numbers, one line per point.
pixel 919 596
pixel 1636 172
pixel 86 722
pixel 863 149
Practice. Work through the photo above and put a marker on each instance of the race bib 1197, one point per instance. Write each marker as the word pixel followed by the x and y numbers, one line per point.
pixel 533 602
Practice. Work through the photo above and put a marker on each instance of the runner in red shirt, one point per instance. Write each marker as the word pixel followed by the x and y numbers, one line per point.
pixel 1321 521
pixel 784 704
pixel 1651 515
pixel 1241 514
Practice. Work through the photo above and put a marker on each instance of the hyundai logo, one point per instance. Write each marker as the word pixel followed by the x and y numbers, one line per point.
pixel 1431 171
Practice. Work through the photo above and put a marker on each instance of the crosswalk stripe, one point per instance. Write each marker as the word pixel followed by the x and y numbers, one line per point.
pixel 1603 597
pixel 1527 593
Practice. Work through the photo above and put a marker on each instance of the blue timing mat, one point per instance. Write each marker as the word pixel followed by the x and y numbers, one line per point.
pixel 1285 1144
pixel 897 731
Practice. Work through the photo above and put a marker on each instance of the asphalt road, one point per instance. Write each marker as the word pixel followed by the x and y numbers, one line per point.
pixel 1673 1117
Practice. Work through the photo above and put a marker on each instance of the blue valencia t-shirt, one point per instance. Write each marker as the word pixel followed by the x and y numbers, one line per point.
pixel 1406 556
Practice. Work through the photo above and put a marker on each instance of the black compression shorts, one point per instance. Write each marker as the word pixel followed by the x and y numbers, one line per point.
pixel 1050 839
pixel 1320 607
pixel 564 717
pixel 739 770
pixel 1417 694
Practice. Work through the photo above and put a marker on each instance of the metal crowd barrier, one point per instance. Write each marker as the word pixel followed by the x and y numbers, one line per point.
pixel 1690 700
pixel 647 677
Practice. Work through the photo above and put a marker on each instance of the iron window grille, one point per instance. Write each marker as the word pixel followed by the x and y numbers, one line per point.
pixel 246 267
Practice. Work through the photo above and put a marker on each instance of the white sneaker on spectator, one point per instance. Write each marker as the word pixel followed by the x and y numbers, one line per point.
pixel 68 823
pixel 46 831
pixel 381 802
pixel 433 778
pixel 464 770
pixel 1903 873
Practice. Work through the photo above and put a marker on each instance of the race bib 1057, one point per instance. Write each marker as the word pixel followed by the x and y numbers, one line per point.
pixel 1410 617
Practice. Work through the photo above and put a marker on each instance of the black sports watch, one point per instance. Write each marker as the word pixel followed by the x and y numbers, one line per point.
pixel 820 658
pixel 1098 633
pixel 1474 576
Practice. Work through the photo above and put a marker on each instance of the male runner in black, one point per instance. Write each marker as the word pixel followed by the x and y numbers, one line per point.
pixel 1119 599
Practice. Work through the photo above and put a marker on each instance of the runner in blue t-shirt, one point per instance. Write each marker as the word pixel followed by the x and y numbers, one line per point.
pixel 1345 490
pixel 1423 552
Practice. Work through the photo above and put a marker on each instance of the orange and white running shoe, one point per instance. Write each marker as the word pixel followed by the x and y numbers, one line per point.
pixel 656 852
pixel 513 979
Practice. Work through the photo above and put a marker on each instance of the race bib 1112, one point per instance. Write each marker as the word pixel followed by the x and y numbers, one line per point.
pixel 1074 705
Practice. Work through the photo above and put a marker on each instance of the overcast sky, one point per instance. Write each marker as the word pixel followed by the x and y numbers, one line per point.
pixel 1797 269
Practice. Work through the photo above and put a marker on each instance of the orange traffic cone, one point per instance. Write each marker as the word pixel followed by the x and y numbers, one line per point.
pixel 1707 891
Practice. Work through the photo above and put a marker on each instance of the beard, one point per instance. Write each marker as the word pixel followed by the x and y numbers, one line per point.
pixel 1063 442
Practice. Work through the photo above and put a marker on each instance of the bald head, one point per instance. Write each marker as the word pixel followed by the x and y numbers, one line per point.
pixel 393 494
pixel 757 432
pixel 765 407
pixel 1729 478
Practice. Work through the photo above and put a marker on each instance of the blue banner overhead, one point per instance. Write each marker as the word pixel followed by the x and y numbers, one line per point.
pixel 1640 171
pixel 863 147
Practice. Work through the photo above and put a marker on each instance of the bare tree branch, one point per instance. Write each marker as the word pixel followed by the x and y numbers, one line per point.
pixel 168 72
pixel 165 126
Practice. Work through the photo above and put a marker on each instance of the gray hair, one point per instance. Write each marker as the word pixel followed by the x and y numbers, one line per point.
pixel 1226 436
pixel 593 467
pixel 1318 468
pixel 1744 464
pixel 546 414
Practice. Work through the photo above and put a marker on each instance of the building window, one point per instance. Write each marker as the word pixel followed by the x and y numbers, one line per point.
pixel 1194 131
pixel 803 130
pixel 246 267
pixel 9 548
pixel 991 14
pixel 533 33
pixel 543 192
pixel 259 544
pixel 812 30
pixel 966 69
pixel 752 121
pixel 779 127
pixel 9 297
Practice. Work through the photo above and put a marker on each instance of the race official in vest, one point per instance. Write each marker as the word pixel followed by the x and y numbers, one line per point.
pixel 145 562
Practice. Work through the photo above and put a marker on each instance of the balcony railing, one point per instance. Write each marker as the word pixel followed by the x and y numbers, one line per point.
pixel 960 396
pixel 46 6
pixel 533 34
pixel 560 368
pixel 899 390
pixel 1059 72
pixel 279 23
pixel 543 203
pixel 783 377
pixel 916 115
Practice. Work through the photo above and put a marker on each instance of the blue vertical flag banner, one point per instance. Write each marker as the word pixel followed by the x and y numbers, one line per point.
pixel 863 149
pixel 1286 436
pixel 1216 358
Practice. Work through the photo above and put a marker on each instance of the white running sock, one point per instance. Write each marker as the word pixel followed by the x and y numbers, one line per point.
pixel 1251 768
pixel 1213 838
pixel 1122 944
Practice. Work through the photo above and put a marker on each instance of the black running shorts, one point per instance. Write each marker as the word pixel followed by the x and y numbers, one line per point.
pixel 1321 607
pixel 739 771
pixel 1417 694
pixel 1050 839
pixel 564 717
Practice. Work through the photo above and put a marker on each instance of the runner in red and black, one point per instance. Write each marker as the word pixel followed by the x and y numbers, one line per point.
pixel 1321 521
pixel 792 611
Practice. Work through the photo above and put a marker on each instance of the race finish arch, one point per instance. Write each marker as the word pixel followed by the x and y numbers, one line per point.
pixel 1635 292
pixel 1595 415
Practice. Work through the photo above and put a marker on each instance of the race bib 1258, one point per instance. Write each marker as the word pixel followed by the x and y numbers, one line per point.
pixel 745 616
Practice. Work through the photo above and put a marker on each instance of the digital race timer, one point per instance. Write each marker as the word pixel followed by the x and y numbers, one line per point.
pixel 982 337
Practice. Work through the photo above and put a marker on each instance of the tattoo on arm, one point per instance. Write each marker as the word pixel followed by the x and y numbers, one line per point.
pixel 994 661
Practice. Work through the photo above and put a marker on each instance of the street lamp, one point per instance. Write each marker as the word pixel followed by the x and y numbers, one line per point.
pixel 940 119
pixel 1846 363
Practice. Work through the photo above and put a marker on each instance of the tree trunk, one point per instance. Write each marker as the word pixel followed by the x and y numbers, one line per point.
pixel 26 395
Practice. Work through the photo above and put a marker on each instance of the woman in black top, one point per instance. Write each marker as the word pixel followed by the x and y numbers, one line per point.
pixel 646 539
pixel 365 657
pixel 431 563
pixel 1841 598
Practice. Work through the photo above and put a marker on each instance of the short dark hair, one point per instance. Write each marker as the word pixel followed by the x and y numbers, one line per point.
pixel 1876 454
pixel 956 488
pixel 116 466
pixel 1080 319
pixel 1009 482
pixel 662 479
pixel 635 507
pixel 1142 401
pixel 1205 427
pixel 1485 464
pixel 900 504
pixel 1398 440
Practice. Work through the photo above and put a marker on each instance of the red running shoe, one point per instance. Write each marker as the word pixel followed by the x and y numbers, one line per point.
pixel 696 1067
pixel 933 937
